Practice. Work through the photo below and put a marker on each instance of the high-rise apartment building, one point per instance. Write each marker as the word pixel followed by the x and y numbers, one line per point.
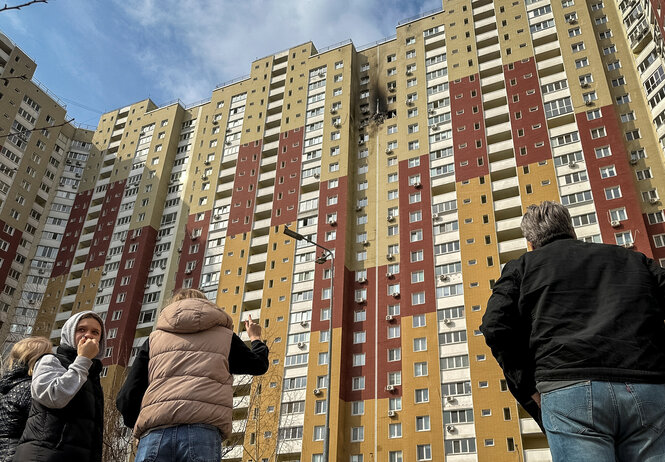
pixel 412 159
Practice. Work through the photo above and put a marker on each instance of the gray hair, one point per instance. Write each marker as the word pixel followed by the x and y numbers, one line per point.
pixel 546 221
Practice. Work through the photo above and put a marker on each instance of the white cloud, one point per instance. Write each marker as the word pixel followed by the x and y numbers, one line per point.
pixel 186 48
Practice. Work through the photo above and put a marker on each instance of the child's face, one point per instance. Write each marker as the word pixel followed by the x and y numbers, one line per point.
pixel 88 328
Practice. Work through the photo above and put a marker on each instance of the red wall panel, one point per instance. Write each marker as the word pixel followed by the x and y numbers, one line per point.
pixel 624 178
pixel 243 199
pixel 287 182
pixel 468 127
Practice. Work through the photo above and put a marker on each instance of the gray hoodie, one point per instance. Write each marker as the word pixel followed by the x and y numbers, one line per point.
pixel 52 384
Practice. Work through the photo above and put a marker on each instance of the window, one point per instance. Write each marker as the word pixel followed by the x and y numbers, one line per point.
pixel 603 152
pixel 625 238
pixel 422 395
pixel 613 192
pixel 423 452
pixel 420 344
pixel 393 332
pixel 422 423
pixel 420 369
pixel 582 62
pixel 395 430
pixel 606 172
pixel 460 446
pixel 357 434
pixel 598 132
pixel 358 383
pixel 644 174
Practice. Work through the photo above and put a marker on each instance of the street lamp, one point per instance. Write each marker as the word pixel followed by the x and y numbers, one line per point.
pixel 322 259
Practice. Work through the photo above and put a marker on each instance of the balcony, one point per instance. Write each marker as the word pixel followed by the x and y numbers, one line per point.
pixel 537 455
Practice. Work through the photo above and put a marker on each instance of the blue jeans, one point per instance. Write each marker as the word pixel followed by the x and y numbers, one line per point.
pixel 182 443
pixel 606 422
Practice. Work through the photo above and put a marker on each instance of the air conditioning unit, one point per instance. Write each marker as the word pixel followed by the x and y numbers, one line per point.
pixel 653 200
pixel 317 175
pixel 206 163
pixel 304 323
pixel 40 271
pixel 147 286
pixel 104 273
pixel 31 302
pixel 450 399
pixel 337 125
pixel 361 142
pixel 447 321
pixel 108 257
pixel 584 85
pixel 450 428
pixel 417 185
pixel 100 290
pixel 317 392
pixel 435 127
pixel 390 218
pixel 332 222
pixel 392 89
pixel 362 280
pixel 443 277
pixel 389 256
pixel 572 164
pixel 409 102
pixel 214 122
pixel 589 102
pixel 188 271
pixel 633 161
pixel 395 294
pixel 204 178
pixel 390 387
pixel 361 300
pixel 629 245
pixel 389 318
pixel 572 20
pixel 195 237
pixel 158 253
pixel 179 249
pixel 615 223
pixel 301 344
pixel 408 72
pixel 78 175
pixel 389 151
pixel 431 111
pixel 392 413
pixel 159 284
pixel 365 243
pixel 217 216
pixel 333 110
pixel 389 275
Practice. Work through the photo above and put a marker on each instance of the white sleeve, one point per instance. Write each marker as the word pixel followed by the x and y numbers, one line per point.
pixel 54 386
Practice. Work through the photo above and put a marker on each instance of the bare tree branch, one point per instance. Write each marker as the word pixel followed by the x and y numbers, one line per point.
pixel 47 127
pixel 18 7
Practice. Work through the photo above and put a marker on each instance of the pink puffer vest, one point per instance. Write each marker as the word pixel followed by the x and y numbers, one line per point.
pixel 189 379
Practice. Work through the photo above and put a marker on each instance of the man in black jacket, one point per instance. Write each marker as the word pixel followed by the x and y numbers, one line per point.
pixel 578 330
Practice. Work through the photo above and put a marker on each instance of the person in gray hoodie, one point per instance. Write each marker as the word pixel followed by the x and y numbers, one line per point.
pixel 66 420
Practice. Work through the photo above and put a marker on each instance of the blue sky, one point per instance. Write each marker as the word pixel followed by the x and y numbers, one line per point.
pixel 98 55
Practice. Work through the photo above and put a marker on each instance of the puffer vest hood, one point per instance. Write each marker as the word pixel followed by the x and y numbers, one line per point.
pixel 188 372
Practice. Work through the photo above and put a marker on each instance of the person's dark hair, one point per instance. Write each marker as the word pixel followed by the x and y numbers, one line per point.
pixel 546 221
